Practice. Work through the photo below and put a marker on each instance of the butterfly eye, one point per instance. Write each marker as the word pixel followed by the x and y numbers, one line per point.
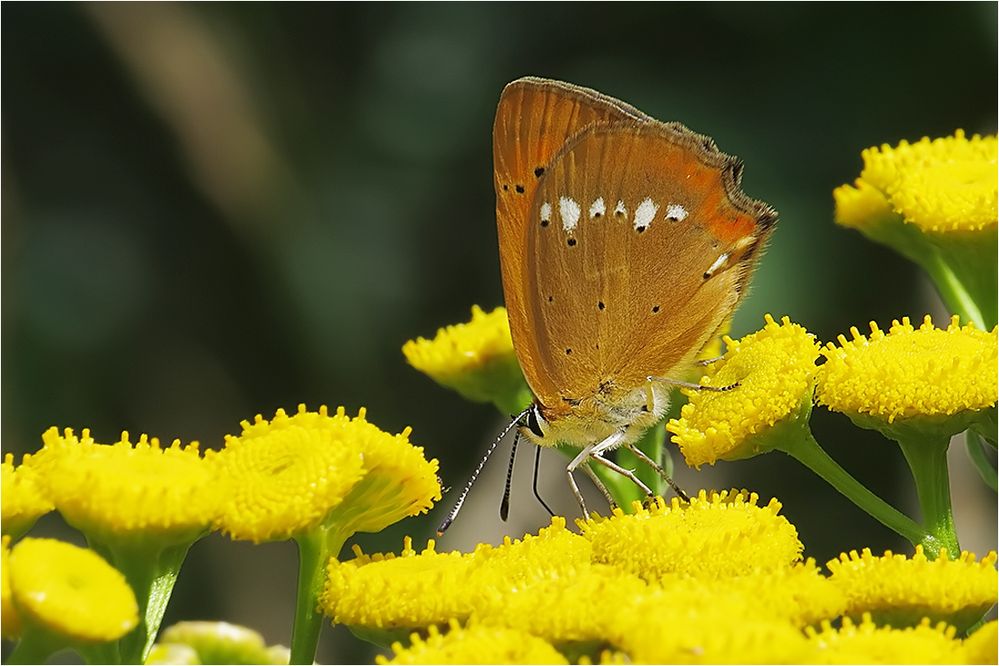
pixel 534 420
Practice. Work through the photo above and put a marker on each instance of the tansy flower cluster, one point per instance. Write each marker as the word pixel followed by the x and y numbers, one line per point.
pixel 314 477
pixel 719 580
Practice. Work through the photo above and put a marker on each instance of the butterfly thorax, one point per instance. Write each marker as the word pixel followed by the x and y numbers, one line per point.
pixel 592 419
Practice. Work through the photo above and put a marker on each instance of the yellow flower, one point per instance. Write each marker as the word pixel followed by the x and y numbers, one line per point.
pixel 867 643
pixel 476 644
pixel 128 490
pixel 724 534
pixel 70 591
pixel 799 594
pixel 173 654
pixel 982 646
pixel 943 185
pixel 219 643
pixel 940 378
pixel 284 477
pixel 577 607
pixel 935 203
pixel 431 588
pixel 902 591
pixel 10 623
pixel 476 359
pixel 773 371
pixel 725 630
pixel 22 500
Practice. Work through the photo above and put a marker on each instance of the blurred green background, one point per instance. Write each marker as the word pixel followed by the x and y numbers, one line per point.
pixel 215 210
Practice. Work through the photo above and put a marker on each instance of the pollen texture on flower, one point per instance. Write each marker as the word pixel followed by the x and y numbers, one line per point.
pixel 941 185
pixel 22 497
pixel 128 489
pixel 430 587
pixel 398 481
pixel 901 591
pixel 476 644
pixel 910 372
pixel 282 477
pixel 716 535
pixel 869 643
pixel 772 373
pixel 70 591
pixel 725 630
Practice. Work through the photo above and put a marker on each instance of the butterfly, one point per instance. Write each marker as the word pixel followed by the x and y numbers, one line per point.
pixel 625 244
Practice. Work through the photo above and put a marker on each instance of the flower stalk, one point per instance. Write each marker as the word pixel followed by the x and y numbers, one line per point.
pixel 799 443
pixel 314 550
pixel 927 458
pixel 151 570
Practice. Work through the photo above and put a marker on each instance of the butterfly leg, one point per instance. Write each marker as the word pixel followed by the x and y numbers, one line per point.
pixel 600 485
pixel 591 451
pixel 659 470
pixel 576 462
pixel 704 362
pixel 627 473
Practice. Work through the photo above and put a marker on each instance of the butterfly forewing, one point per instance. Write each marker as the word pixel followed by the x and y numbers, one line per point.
pixel 534 119
pixel 622 231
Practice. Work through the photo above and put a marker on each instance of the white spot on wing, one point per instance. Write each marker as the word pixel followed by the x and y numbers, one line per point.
pixel 546 212
pixel 645 213
pixel 676 213
pixel 619 209
pixel 570 212
pixel 598 207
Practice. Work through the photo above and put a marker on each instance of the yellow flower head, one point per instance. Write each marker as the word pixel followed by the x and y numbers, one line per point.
pixel 982 646
pixel 902 591
pixel 431 588
pixel 219 643
pixel 868 643
pixel 70 591
pixel 715 630
pixel 476 359
pixel 799 594
pixel 476 644
pixel 576 607
pixel 286 476
pixel 773 372
pixel 22 499
pixel 128 490
pixel 172 654
pixel 10 623
pixel 942 378
pixel 717 535
pixel 940 186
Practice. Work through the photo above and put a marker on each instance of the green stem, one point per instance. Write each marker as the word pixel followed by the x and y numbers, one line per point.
pixel 927 458
pixel 151 570
pixel 35 646
pixel 953 291
pixel 976 451
pixel 987 427
pixel 314 551
pixel 807 451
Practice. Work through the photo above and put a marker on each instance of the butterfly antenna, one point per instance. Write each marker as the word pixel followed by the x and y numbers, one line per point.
pixel 537 467
pixel 468 486
pixel 505 504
